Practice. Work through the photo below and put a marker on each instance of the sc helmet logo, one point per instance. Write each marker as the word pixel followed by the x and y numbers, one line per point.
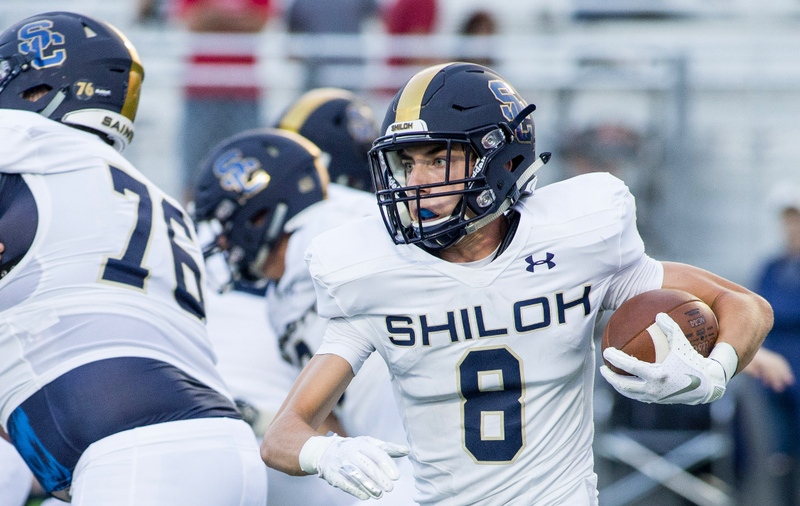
pixel 511 107
pixel 239 174
pixel 36 37
pixel 360 124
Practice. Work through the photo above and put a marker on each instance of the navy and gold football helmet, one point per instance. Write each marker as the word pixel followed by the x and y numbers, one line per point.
pixel 471 112
pixel 343 127
pixel 252 188
pixel 73 69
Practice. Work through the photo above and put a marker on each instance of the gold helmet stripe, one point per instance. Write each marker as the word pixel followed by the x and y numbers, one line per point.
pixel 135 77
pixel 410 103
pixel 296 116
pixel 312 148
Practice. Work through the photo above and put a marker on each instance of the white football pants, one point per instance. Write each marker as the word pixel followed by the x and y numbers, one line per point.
pixel 202 462
pixel 15 477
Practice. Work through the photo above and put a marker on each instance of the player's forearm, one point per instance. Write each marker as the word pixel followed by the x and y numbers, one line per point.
pixel 744 322
pixel 283 441
pixel 744 317
pixel 310 401
pixel 3 435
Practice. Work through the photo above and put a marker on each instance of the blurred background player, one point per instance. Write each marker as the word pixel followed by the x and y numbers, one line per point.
pixel 264 229
pixel 108 388
pixel 342 126
pixel 245 343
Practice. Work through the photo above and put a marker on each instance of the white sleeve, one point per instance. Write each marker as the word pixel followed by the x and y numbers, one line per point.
pixel 642 276
pixel 15 149
pixel 345 337
pixel 636 272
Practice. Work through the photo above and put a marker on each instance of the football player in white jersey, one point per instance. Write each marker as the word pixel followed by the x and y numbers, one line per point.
pixel 107 382
pixel 482 299
pixel 266 193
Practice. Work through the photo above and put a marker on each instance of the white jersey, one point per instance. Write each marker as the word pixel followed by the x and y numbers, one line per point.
pixel 492 366
pixel 367 408
pixel 247 352
pixel 114 269
pixel 292 302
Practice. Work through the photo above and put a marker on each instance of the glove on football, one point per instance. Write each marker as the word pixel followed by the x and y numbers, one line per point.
pixel 684 377
pixel 361 466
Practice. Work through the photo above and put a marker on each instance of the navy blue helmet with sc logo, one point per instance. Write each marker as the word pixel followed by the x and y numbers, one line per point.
pixel 342 126
pixel 73 69
pixel 476 115
pixel 252 189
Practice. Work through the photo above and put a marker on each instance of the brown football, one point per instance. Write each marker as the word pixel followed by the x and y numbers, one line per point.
pixel 627 329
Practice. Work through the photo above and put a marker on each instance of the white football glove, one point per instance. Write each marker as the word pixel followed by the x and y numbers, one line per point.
pixel 361 466
pixel 684 377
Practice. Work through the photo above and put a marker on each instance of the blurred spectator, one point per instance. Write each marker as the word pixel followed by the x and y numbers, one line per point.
pixel 629 155
pixel 151 12
pixel 222 92
pixel 411 17
pixel 478 25
pixel 779 283
pixel 774 371
pixel 604 148
pixel 318 17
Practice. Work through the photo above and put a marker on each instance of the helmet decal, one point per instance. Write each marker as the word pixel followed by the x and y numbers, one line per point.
pixel 360 123
pixel 418 125
pixel 36 37
pixel 314 151
pixel 239 174
pixel 511 107
pixel 410 103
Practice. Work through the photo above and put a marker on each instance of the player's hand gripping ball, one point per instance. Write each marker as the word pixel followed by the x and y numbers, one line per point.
pixel 632 328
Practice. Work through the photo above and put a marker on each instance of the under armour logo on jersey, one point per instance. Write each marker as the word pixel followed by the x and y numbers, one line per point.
pixel 36 37
pixel 239 174
pixel 533 263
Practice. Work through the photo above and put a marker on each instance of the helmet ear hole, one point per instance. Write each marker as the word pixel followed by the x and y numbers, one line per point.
pixel 259 218
pixel 516 161
pixel 36 92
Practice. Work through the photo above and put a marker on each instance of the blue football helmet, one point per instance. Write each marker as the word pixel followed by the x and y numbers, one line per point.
pixel 251 189
pixel 467 110
pixel 342 126
pixel 90 71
